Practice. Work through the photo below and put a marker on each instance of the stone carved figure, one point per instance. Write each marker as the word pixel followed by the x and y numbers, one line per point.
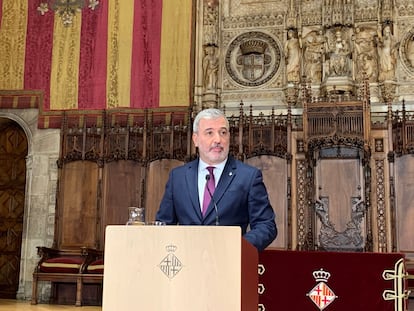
pixel 339 54
pixel 387 54
pixel 210 67
pixel 313 43
pixel 292 56
pixel 366 58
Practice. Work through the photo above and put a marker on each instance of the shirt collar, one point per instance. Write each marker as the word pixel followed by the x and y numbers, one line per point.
pixel 202 166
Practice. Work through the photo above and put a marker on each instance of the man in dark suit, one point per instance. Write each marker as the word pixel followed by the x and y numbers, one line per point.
pixel 236 194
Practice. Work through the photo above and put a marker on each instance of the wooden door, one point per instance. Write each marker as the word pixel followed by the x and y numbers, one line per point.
pixel 13 151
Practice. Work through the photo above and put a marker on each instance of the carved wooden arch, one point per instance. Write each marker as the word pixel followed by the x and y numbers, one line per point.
pixel 339 196
pixel 336 131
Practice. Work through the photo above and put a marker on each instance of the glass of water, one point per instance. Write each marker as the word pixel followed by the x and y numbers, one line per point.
pixel 136 216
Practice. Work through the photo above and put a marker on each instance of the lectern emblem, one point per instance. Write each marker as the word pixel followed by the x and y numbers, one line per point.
pixel 321 294
pixel 170 265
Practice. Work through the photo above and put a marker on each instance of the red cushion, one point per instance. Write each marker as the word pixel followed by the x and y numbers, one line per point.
pixel 410 281
pixel 61 265
pixel 96 266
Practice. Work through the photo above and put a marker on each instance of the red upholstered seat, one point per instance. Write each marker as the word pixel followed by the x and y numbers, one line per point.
pixel 410 276
pixel 61 265
pixel 68 266
pixel 410 279
pixel 96 266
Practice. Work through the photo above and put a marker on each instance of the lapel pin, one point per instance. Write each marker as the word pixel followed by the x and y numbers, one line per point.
pixel 231 174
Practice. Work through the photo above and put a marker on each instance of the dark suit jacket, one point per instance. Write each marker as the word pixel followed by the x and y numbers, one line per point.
pixel 241 199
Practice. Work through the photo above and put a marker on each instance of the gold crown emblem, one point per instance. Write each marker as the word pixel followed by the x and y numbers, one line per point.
pixel 171 248
pixel 253 46
pixel 321 276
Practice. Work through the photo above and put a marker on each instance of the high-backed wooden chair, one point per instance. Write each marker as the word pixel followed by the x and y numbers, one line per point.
pixel 77 240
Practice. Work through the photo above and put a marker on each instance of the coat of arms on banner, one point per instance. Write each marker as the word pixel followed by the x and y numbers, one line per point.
pixel 321 294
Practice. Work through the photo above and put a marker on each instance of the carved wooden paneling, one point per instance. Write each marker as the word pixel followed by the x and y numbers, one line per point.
pixel 82 138
pixel 121 187
pixel 335 119
pixel 157 176
pixel 330 124
pixel 341 221
pixel 252 136
pixel 168 142
pixel 274 171
pixel 404 181
pixel 131 154
pixel 336 131
pixel 304 239
pixel 402 166
pixel 403 132
pixel 77 219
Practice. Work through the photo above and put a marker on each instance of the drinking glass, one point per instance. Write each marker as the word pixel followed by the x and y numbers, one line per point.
pixel 136 216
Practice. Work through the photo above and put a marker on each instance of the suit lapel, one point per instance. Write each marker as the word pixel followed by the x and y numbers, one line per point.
pixel 192 184
pixel 229 172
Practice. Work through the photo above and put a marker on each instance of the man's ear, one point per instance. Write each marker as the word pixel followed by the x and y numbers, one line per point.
pixel 195 136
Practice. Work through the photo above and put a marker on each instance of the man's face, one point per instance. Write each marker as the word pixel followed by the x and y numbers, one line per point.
pixel 212 140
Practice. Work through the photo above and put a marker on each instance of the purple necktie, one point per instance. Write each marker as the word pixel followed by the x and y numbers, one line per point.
pixel 212 186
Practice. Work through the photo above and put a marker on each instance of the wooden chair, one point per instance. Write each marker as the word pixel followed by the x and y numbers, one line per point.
pixel 65 266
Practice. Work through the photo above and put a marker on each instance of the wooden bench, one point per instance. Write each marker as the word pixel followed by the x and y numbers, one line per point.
pixel 66 266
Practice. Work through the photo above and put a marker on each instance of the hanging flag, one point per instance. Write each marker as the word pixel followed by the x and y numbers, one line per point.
pixel 131 54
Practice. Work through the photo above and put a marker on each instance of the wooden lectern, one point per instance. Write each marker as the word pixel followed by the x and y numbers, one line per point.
pixel 179 268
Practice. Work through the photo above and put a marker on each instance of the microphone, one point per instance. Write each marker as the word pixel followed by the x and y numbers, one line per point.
pixel 212 199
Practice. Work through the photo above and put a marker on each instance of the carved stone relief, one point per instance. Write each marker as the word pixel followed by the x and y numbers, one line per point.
pixel 407 51
pixel 334 45
pixel 338 52
pixel 313 53
pixel 210 24
pixel 253 59
pixel 366 56
pixel 404 7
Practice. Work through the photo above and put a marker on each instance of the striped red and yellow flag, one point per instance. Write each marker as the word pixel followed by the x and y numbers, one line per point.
pixel 124 53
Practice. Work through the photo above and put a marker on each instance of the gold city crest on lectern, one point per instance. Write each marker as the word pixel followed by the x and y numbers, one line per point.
pixel 170 265
pixel 321 294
